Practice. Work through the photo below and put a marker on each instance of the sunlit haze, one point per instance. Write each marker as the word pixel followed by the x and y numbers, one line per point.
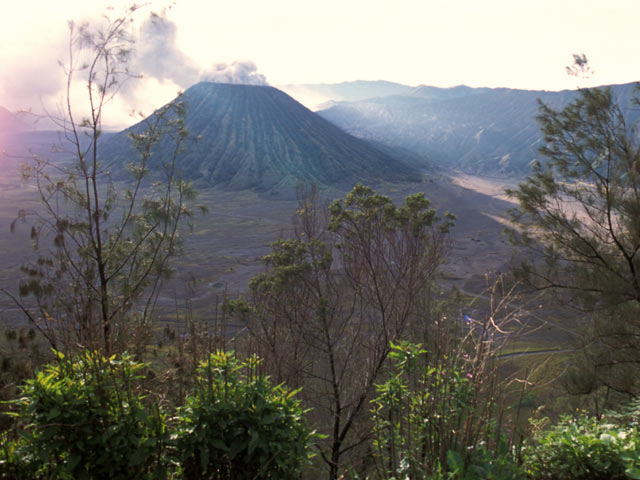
pixel 491 43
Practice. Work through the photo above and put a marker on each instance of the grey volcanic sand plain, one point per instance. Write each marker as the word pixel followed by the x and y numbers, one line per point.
pixel 224 250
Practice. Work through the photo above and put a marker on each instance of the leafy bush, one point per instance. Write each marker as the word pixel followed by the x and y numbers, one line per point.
pixel 83 419
pixel 584 447
pixel 236 425
pixel 426 421
pixel 14 459
pixel 482 463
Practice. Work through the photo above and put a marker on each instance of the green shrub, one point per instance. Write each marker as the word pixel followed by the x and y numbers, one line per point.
pixel 237 426
pixel 14 459
pixel 584 448
pixel 481 463
pixel 83 419
pixel 426 419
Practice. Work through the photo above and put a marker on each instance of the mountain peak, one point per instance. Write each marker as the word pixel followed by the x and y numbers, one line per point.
pixel 258 137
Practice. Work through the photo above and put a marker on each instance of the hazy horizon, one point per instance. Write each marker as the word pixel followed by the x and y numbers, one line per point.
pixel 496 43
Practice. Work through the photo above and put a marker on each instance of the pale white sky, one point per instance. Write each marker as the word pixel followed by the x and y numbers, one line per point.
pixel 508 43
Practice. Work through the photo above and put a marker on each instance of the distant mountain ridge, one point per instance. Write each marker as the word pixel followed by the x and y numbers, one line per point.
pixel 11 122
pixel 317 95
pixel 479 130
pixel 257 137
pixel 440 93
pixel 260 138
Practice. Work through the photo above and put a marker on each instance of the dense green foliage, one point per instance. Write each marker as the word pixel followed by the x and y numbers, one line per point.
pixel 237 426
pixel 83 418
pixel 426 422
pixel 584 447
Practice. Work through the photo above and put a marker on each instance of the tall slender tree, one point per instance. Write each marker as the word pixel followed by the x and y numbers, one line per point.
pixel 102 248
pixel 579 214
pixel 332 299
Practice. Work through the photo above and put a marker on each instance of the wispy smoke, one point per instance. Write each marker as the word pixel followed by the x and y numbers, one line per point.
pixel 158 56
pixel 164 67
pixel 244 72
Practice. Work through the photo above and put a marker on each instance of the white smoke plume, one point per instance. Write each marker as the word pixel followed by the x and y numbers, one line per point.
pixel 158 56
pixel 242 72
pixel 164 68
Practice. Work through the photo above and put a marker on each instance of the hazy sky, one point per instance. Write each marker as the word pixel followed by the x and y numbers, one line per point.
pixel 510 43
